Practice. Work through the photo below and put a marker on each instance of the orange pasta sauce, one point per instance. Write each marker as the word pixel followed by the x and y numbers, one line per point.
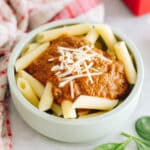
pixel 110 83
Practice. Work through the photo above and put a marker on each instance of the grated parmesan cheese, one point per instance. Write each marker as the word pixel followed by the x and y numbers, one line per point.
pixel 76 63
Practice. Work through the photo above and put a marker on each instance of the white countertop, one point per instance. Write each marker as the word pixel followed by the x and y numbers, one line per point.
pixel 138 30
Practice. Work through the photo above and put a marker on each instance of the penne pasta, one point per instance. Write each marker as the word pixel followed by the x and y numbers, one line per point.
pixel 35 84
pixel 93 114
pixel 25 60
pixel 56 109
pixel 50 35
pixel 29 48
pixel 67 110
pixel 124 56
pixel 27 91
pixel 47 98
pixel 92 36
pixel 81 55
pixel 108 36
pixel 97 103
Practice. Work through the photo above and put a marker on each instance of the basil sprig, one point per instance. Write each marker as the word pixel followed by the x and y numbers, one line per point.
pixel 142 128
pixel 140 143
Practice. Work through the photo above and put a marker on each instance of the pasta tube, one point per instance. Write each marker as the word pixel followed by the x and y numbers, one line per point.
pixel 27 91
pixel 107 35
pixel 56 109
pixel 52 34
pixel 29 48
pixel 35 84
pixel 124 56
pixel 92 36
pixel 47 98
pixel 67 109
pixel 25 60
pixel 91 102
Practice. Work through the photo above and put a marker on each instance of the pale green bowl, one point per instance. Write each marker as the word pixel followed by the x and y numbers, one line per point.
pixel 77 130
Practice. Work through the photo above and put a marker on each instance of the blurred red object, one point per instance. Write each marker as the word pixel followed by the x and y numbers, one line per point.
pixel 138 7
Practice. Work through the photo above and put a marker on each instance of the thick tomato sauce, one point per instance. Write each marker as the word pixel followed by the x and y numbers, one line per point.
pixel 111 84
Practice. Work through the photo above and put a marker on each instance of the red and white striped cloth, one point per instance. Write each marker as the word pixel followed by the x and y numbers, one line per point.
pixel 19 16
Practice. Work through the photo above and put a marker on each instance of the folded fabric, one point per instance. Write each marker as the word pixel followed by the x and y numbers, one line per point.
pixel 17 17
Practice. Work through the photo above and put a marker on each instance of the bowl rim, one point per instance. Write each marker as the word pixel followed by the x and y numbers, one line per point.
pixel 12 82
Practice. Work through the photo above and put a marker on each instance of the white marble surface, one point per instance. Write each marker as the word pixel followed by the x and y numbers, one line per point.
pixel 138 29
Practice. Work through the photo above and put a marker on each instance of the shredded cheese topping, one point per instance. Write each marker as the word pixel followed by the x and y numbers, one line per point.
pixel 76 63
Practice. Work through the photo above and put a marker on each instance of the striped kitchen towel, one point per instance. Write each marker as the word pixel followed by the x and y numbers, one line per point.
pixel 17 17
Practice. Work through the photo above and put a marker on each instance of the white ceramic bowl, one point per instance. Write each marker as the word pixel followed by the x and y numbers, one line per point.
pixel 77 130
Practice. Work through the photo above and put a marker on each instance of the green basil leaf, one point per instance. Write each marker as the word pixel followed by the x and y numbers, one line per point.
pixel 113 146
pixel 109 146
pixel 143 127
pixel 122 146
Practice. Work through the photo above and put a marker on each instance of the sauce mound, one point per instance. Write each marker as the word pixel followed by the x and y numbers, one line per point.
pixel 75 67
